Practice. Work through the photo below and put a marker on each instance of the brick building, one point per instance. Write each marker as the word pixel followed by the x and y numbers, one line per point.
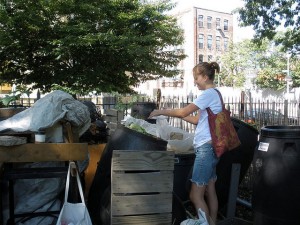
pixel 213 33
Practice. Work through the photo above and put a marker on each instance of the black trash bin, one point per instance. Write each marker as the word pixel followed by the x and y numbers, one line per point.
pixel 242 155
pixel 142 110
pixel 276 189
pixel 184 162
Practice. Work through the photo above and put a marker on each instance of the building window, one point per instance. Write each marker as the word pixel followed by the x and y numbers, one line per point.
pixel 225 24
pixel 209 41
pixel 209 58
pixel 218 43
pixel 201 41
pixel 218 23
pixel 225 43
pixel 200 21
pixel 201 58
pixel 209 19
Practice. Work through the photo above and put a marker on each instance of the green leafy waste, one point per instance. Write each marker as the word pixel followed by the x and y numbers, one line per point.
pixel 137 128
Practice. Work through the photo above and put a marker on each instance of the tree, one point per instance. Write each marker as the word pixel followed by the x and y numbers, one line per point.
pixel 266 16
pixel 91 45
pixel 273 67
pixel 295 71
pixel 266 59
pixel 235 62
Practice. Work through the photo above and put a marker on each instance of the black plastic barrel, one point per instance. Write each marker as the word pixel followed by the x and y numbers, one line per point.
pixel 276 189
pixel 99 194
pixel 142 110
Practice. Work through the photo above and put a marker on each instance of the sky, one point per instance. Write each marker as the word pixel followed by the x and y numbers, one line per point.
pixel 221 6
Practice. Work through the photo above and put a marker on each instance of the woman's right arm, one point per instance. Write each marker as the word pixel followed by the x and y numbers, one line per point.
pixel 180 113
pixel 192 119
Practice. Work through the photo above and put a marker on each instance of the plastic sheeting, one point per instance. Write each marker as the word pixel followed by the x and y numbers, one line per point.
pixel 36 195
pixel 48 111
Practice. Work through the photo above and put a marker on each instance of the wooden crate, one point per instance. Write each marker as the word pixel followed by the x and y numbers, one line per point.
pixel 113 118
pixel 142 185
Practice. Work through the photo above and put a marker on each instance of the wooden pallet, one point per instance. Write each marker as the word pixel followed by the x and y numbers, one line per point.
pixel 142 185
pixel 113 119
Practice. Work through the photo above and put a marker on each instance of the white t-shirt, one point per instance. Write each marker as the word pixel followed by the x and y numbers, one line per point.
pixel 208 98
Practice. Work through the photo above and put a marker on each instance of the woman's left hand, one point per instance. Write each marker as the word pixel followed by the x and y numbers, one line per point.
pixel 154 113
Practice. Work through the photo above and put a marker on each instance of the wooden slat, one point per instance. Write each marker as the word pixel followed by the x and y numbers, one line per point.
pixel 111 112
pixel 112 126
pixel 156 219
pixel 114 112
pixel 44 152
pixel 141 204
pixel 152 182
pixel 112 119
pixel 143 160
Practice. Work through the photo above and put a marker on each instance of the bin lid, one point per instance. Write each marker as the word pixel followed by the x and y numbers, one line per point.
pixel 281 131
pixel 238 122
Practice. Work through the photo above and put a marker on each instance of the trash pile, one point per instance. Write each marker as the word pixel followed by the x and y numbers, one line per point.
pixel 39 195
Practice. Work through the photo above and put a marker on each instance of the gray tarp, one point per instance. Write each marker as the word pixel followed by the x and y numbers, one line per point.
pixel 49 110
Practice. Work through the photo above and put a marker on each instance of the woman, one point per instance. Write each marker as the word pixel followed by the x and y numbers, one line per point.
pixel 203 193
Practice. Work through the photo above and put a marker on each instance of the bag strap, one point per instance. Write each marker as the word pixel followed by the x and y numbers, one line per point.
pixel 221 99
pixel 72 165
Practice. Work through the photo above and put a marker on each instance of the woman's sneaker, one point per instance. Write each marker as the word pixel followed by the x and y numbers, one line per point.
pixel 201 221
pixel 202 217
pixel 191 222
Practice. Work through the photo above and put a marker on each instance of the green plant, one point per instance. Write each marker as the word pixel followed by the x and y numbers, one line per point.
pixel 15 95
pixel 10 98
pixel 126 102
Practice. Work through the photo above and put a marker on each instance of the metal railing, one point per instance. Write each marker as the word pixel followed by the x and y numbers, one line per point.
pixel 258 113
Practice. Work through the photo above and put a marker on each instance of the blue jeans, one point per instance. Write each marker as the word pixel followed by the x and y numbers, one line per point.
pixel 204 165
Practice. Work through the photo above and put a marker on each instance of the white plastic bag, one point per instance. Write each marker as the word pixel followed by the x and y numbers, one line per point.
pixel 74 213
pixel 163 130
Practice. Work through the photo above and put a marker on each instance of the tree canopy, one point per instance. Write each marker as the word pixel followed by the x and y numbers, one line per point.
pixel 265 60
pixel 90 45
pixel 234 63
pixel 266 16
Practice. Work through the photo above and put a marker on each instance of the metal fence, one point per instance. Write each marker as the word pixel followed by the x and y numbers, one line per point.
pixel 258 113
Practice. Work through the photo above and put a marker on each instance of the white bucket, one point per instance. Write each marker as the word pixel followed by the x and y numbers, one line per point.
pixel 40 138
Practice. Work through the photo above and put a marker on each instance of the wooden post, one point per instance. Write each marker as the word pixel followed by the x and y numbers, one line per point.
pixel 285 113
pixel 242 110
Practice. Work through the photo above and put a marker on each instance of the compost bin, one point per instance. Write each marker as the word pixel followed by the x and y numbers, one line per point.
pixel 276 189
